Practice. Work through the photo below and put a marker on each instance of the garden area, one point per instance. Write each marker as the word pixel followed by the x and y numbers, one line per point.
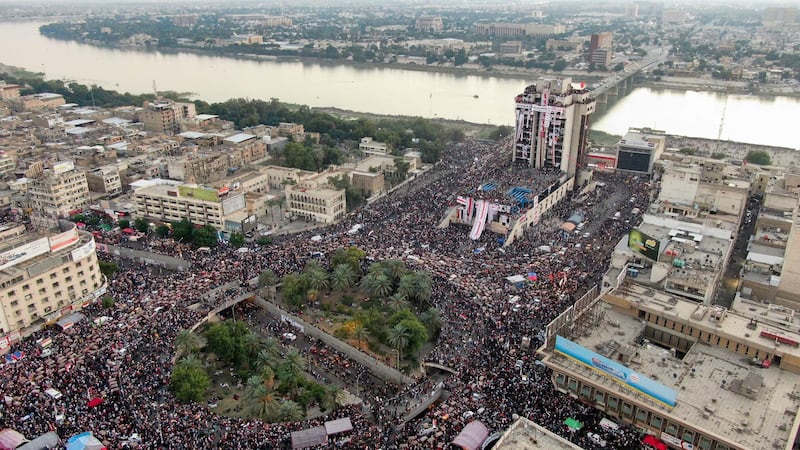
pixel 380 307
pixel 241 374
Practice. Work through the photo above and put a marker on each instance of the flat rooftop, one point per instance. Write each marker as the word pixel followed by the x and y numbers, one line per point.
pixel 705 380
pixel 524 434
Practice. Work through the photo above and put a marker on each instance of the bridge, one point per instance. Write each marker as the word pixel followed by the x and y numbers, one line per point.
pixel 434 365
pixel 620 84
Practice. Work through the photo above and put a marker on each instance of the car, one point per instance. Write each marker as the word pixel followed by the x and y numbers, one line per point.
pixel 595 438
pixel 467 415
pixel 289 337
pixel 427 429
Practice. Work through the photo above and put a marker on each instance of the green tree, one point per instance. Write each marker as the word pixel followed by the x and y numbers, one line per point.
pixel 377 284
pixel 759 157
pixel 361 334
pixel 290 411
pixel 295 288
pixel 397 302
pixel 141 225
pixel 501 132
pixel 332 398
pixel 236 240
pixel 189 382
pixel 205 236
pixel 187 342
pixel 124 223
pixel 342 277
pixel 108 268
pixel 398 337
pixel 267 278
pixel 162 231
pixel 182 231
pixel 261 399
pixel 108 302
pixel 432 321
pixel 317 279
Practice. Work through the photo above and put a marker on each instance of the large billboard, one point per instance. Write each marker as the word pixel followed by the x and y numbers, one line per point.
pixel 643 244
pixel 64 239
pixel 83 251
pixel 24 253
pixel 616 372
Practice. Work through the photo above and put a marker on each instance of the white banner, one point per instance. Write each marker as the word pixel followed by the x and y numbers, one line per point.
pixel 83 251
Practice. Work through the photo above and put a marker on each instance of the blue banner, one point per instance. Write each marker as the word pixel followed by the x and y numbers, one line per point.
pixel 616 371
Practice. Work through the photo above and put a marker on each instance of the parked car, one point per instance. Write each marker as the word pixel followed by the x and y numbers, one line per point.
pixel 289 337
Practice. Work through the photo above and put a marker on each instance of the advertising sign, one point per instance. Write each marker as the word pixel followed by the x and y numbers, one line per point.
pixel 83 251
pixel 64 239
pixel 643 244
pixel 63 166
pixel 616 372
pixel 24 253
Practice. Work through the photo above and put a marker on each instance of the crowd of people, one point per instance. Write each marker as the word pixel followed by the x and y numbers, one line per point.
pixel 126 360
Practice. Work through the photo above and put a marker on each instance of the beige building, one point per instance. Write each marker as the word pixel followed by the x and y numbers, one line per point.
pixel 105 180
pixel 639 149
pixel 691 375
pixel 323 205
pixel 202 206
pixel 165 116
pixel 372 147
pixel 44 100
pixel 519 29
pixel 58 190
pixel 8 91
pixel 431 24
pixel 45 276
pixel 691 189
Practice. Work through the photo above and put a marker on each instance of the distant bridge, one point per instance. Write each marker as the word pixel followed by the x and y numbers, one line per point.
pixel 621 83
pixel 439 366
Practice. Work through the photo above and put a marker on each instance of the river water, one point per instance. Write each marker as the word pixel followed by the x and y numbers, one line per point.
pixel 480 99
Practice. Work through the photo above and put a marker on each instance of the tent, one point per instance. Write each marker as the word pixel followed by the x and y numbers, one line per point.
pixel 568 226
pixel 654 442
pixel 11 439
pixel 43 442
pixel 573 424
pixel 95 402
pixel 472 436
pixel 242 250
pixel 310 437
pixel 67 322
pixel 316 238
pixel 338 426
pixel 85 441
pixel 128 230
pixel 14 357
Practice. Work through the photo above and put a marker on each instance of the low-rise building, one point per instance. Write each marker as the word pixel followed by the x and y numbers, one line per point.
pixel 372 147
pixel 639 149
pixel 34 102
pixel 200 205
pixel 105 180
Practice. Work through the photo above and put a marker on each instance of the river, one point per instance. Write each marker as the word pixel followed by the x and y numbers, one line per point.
pixel 480 99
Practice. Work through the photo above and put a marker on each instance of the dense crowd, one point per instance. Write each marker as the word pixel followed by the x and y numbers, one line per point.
pixel 126 361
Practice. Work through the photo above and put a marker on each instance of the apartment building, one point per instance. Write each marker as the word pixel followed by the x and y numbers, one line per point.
pixel 372 147
pixel 519 29
pixel 57 190
pixel 44 276
pixel 165 116
pixel 8 91
pixel 552 120
pixel 35 102
pixel 432 24
pixel 201 205
pixel 323 205
pixel 105 180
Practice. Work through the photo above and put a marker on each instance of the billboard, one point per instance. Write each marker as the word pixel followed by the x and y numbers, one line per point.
pixel 643 244
pixel 24 253
pixel 616 372
pixel 64 239
pixel 83 251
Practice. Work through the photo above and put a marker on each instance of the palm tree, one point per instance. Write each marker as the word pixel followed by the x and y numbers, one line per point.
pixel 187 342
pixel 252 343
pixel 398 337
pixel 394 269
pixel 191 360
pixel 424 285
pixel 342 277
pixel 290 411
pixel 317 279
pixel 332 399
pixel 261 399
pixel 407 286
pixel 377 284
pixel 267 279
pixel 270 354
pixel 294 362
pixel 432 321
pixel 361 333
pixel 397 301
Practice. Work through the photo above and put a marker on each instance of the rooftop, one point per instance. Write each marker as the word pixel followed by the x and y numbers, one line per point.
pixel 717 390
pixel 527 435
pixel 636 140
pixel 239 138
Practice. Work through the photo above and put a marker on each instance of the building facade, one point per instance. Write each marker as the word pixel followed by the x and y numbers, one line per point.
pixel 431 24
pixel 58 190
pixel 44 276
pixel 639 149
pixel 319 205
pixel 552 123
pixel 202 206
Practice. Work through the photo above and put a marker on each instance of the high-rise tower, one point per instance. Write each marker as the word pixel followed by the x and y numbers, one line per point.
pixel 552 125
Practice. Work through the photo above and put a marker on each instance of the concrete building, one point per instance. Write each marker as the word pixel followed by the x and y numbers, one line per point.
pixel 432 24
pixel 57 190
pixel 44 276
pixel 789 286
pixel 674 16
pixel 8 91
pixel 690 189
pixel 632 11
pixel 369 146
pixel 35 102
pixel 600 48
pixel 105 180
pixel 203 206
pixel 524 434
pixel 519 29
pixel 639 149
pixel 552 124
pixel 323 204
pixel 165 116
pixel 779 16
pixel 691 375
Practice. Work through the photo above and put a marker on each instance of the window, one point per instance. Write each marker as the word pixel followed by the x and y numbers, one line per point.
pixel 656 421
pixel 42 290
pixel 627 409
pixel 573 385
pixel 705 443
pixel 26 287
pixel 561 380
pixel 55 285
pixel 28 296
pixel 12 293
pixel 613 402
pixel 688 436
pixel 39 281
pixel 599 398
pixel 672 429
pixel 586 391
pixel 52 276
pixel 641 415
pixel 65 270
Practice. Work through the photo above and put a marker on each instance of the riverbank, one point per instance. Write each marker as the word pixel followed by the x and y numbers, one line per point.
pixel 781 156
pixel 721 86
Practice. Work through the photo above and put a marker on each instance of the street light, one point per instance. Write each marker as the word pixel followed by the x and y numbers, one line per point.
pixel 358 391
